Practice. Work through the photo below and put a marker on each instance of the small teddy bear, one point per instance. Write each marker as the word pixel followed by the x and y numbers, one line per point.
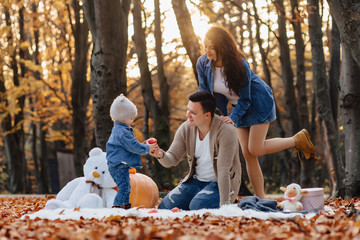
pixel 292 196
pixel 95 190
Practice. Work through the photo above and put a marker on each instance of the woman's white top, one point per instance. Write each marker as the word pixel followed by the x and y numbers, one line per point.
pixel 204 170
pixel 220 87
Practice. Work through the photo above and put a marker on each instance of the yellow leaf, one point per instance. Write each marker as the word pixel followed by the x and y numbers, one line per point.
pixel 24 45
pixel 6 31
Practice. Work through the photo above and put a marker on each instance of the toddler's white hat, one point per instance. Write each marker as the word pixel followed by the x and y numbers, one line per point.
pixel 122 109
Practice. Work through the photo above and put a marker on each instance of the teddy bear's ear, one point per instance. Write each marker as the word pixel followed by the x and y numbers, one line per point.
pixel 304 192
pixel 95 151
pixel 283 189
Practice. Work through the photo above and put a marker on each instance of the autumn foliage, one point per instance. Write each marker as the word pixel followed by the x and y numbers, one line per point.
pixel 344 224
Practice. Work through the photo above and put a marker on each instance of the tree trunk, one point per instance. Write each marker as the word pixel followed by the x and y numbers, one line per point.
pixel 322 94
pixel 35 58
pixel 148 159
pixel 266 69
pixel 161 125
pixel 300 65
pixel 280 129
pixel 13 152
pixel 251 43
pixel 14 139
pixel 35 154
pixel 307 173
pixel 44 173
pixel 80 90
pixel 261 49
pixel 287 74
pixel 241 31
pixel 288 79
pixel 347 17
pixel 187 33
pixel 227 12
pixel 24 55
pixel 350 101
pixel 164 86
pixel 334 71
pixel 108 23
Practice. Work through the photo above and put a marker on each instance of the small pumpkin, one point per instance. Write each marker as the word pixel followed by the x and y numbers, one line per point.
pixel 144 191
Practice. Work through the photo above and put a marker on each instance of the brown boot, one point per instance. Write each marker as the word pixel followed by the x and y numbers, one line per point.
pixel 304 144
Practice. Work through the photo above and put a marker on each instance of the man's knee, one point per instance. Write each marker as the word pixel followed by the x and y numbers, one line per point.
pixel 168 202
pixel 178 197
pixel 196 204
pixel 205 199
pixel 199 203
pixel 164 204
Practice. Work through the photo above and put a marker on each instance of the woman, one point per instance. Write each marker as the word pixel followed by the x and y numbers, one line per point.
pixel 224 72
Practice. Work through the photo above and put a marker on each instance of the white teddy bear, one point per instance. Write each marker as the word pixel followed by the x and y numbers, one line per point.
pixel 94 190
pixel 292 196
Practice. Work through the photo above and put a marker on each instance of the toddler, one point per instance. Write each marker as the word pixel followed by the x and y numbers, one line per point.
pixel 123 150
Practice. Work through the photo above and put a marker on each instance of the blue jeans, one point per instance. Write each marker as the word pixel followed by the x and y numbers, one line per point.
pixel 120 174
pixel 192 195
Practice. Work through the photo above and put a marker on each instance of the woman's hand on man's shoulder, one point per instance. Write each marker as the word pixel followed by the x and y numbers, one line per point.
pixel 227 120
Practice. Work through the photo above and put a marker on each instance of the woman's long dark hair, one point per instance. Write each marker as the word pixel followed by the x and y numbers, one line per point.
pixel 225 46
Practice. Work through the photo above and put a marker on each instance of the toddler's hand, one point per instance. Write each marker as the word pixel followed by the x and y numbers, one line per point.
pixel 153 147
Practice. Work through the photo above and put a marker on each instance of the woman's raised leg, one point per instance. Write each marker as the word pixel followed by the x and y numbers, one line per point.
pixel 258 146
pixel 253 144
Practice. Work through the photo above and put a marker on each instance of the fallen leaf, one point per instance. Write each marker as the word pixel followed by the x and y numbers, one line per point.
pixel 175 209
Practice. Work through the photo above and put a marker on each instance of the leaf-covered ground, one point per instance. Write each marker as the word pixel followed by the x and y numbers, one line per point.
pixel 344 224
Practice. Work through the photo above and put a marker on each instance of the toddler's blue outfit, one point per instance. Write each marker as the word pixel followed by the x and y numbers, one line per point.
pixel 256 102
pixel 122 152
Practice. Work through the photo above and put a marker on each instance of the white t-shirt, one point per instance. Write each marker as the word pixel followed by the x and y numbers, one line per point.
pixel 220 87
pixel 204 170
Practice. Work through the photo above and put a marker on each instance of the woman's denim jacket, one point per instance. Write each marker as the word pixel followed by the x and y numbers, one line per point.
pixel 255 95
pixel 123 148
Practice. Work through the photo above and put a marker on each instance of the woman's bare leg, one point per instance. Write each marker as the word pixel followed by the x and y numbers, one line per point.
pixel 252 164
pixel 253 144
pixel 258 146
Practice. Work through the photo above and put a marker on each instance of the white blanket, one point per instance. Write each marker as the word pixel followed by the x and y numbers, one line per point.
pixel 231 210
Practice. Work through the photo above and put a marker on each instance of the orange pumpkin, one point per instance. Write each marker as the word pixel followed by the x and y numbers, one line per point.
pixel 144 192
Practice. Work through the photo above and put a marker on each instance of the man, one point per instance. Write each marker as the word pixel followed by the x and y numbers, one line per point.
pixel 213 156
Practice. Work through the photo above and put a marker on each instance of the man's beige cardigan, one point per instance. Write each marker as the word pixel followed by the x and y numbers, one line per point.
pixel 224 151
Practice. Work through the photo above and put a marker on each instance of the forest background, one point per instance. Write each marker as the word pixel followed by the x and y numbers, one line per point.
pixel 64 61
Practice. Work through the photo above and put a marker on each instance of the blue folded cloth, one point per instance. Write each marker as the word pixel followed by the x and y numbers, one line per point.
pixel 258 204
pixel 262 205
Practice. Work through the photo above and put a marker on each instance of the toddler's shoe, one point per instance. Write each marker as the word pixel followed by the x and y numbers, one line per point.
pixel 126 206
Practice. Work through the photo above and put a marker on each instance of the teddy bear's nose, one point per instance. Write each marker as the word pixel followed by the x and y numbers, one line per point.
pixel 95 174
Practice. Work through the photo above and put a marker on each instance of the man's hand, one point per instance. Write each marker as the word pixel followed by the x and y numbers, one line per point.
pixel 158 153
pixel 227 120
